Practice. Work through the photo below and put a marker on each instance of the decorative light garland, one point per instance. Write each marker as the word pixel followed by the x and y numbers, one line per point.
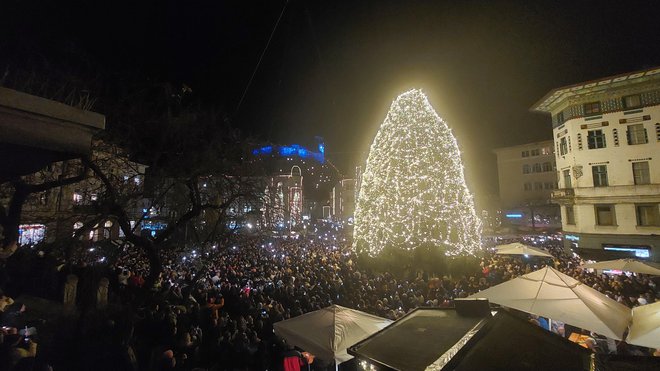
pixel 413 190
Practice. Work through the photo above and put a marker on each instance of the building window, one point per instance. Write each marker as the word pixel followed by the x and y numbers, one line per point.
pixel 527 186
pixel 592 108
pixel 549 185
pixel 44 197
pixel 31 234
pixel 525 153
pixel 567 178
pixel 632 101
pixel 94 234
pixel 648 215
pixel 536 152
pixel 538 186
pixel 570 215
pixel 596 139
pixel 599 173
pixel 560 118
pixel 637 134
pixel 641 173
pixel 563 146
pixel 536 168
pixel 77 197
pixel 547 166
pixel 605 215
pixel 526 169
pixel 546 151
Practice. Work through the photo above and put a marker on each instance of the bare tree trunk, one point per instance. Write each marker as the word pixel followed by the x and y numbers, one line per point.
pixel 12 219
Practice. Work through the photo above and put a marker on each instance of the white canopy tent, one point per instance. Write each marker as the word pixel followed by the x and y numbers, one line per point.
pixel 518 248
pixel 645 327
pixel 550 293
pixel 328 332
pixel 628 265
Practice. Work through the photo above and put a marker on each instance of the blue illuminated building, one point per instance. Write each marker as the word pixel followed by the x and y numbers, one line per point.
pixel 293 150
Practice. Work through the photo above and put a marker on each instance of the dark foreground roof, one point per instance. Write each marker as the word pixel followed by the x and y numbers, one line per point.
pixel 440 339
pixel 606 362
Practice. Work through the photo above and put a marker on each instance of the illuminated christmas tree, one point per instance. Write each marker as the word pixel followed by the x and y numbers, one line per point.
pixel 413 191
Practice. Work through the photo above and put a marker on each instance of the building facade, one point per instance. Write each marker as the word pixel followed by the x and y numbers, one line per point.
pixel 607 147
pixel 61 211
pixel 343 199
pixel 284 206
pixel 527 178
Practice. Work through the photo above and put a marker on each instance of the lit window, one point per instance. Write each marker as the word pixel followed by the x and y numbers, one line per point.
pixel 596 139
pixel 31 234
pixel 599 173
pixel 592 108
pixel 108 224
pixel 43 198
pixel 637 134
pixel 605 215
pixel 648 215
pixel 77 197
pixel 632 101
pixel 641 173
pixel 546 151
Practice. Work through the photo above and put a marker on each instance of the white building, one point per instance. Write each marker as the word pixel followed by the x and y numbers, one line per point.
pixel 607 147
pixel 343 199
pixel 527 176
pixel 284 200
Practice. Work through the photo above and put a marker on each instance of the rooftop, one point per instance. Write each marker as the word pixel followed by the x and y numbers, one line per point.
pixel 540 144
pixel 558 95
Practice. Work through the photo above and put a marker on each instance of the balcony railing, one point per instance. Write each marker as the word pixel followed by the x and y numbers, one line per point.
pixel 563 193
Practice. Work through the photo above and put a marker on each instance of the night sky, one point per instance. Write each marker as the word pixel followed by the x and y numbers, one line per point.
pixel 333 67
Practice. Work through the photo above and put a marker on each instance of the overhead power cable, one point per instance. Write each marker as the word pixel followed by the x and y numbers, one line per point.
pixel 256 68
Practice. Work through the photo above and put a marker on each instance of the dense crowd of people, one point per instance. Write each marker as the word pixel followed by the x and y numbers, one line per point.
pixel 214 308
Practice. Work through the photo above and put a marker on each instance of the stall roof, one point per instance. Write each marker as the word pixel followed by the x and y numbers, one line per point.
pixel 440 339
pixel 416 340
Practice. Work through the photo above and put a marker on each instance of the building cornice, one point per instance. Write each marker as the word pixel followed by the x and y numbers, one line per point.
pixel 553 99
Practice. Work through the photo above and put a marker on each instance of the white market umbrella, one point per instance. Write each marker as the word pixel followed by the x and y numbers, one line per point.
pixel 518 248
pixel 328 332
pixel 628 265
pixel 645 327
pixel 550 293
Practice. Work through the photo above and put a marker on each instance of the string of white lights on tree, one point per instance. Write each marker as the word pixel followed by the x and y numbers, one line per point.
pixel 413 190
